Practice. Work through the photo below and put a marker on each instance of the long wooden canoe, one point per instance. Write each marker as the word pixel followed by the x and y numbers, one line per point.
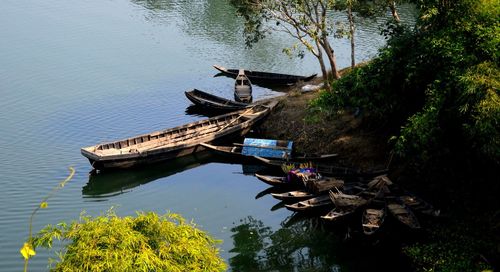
pixel 293 196
pixel 265 78
pixel 174 142
pixel 210 101
pixel 339 212
pixel 276 181
pixel 401 212
pixel 236 151
pixel 312 204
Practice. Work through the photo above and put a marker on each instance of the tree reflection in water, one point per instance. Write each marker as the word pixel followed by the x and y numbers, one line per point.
pixel 293 248
pixel 306 243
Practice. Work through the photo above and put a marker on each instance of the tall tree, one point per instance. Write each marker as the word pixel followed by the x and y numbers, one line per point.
pixel 304 20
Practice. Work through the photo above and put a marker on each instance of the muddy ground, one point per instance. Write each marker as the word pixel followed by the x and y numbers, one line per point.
pixel 357 144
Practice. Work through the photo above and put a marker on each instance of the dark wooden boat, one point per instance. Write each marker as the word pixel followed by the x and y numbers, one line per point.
pixel 242 88
pixel 373 217
pixel 174 142
pixel 265 78
pixel 236 151
pixel 312 204
pixel 276 181
pixel 321 165
pixel 403 214
pixel 419 205
pixel 341 199
pixel 210 101
pixel 339 212
pixel 323 184
pixel 293 196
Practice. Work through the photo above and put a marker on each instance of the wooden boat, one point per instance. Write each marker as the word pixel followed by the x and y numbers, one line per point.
pixel 294 196
pixel 403 214
pixel 275 181
pixel 341 199
pixel 314 203
pixel 373 218
pixel 339 212
pixel 321 166
pixel 210 101
pixel 236 151
pixel 266 78
pixel 323 184
pixel 174 142
pixel 242 88
pixel 419 205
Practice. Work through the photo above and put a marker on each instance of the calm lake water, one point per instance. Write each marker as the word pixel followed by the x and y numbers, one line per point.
pixel 76 73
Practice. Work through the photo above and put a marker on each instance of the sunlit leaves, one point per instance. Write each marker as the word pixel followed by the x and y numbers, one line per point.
pixel 146 242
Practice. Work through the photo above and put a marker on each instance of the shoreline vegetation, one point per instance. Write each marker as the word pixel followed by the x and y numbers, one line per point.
pixel 429 104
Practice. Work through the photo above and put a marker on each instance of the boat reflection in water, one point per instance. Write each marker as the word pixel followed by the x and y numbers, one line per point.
pixel 110 183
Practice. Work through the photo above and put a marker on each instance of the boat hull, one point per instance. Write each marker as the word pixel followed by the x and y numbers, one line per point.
pixel 114 155
pixel 266 78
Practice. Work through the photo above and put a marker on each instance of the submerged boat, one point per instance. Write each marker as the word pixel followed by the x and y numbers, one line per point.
pixel 174 142
pixel 242 88
pixel 265 78
pixel 210 101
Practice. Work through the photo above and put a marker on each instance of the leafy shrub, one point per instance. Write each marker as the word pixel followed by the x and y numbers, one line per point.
pixel 147 242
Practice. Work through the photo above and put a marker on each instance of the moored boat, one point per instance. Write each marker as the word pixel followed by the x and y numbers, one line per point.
pixel 275 181
pixel 237 151
pixel 341 199
pixel 403 214
pixel 373 218
pixel 322 201
pixel 294 196
pixel 419 205
pixel 242 88
pixel 265 78
pixel 339 212
pixel 174 142
pixel 210 101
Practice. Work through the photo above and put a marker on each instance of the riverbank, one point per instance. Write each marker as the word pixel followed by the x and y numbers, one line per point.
pixel 461 237
pixel 357 144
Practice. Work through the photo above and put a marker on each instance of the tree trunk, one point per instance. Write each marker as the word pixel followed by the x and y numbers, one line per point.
pixel 351 31
pixel 331 57
pixel 395 15
pixel 321 61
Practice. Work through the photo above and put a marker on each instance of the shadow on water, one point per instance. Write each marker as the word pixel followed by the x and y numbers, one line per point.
pixel 306 243
pixel 105 184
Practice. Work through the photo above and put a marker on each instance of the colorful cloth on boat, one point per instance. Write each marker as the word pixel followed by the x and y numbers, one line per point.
pixel 301 174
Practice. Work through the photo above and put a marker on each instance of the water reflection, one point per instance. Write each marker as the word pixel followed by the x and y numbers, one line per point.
pixel 107 184
pixel 111 183
pixel 306 243
pixel 301 247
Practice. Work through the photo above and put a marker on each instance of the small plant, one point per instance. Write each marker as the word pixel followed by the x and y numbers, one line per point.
pixel 28 250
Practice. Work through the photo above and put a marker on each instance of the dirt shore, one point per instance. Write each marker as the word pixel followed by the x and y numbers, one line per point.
pixel 344 134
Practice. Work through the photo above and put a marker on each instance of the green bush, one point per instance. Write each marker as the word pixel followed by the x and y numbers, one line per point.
pixel 147 242
pixel 437 83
